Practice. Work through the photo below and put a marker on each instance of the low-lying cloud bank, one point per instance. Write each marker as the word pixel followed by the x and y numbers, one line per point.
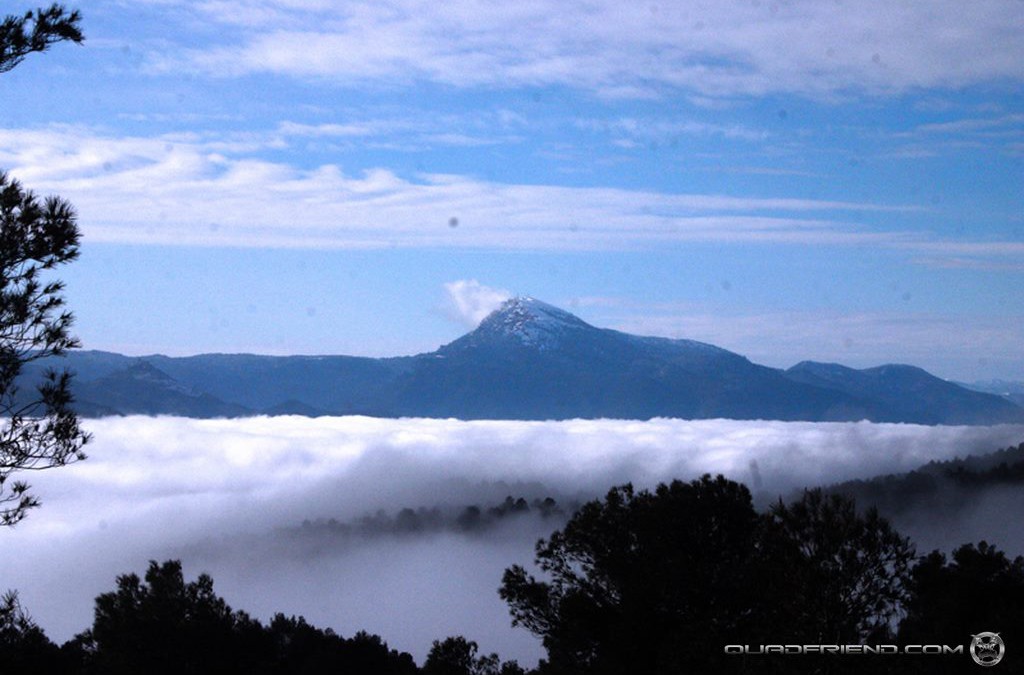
pixel 220 494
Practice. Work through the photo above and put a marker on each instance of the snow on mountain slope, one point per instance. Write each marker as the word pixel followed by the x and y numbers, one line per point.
pixel 532 323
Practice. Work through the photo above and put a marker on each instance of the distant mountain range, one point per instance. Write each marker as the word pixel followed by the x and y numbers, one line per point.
pixel 527 360
pixel 1013 391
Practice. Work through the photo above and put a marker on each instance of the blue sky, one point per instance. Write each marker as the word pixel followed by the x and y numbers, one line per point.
pixel 791 180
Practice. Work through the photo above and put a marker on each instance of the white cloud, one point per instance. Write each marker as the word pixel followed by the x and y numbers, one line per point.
pixel 328 130
pixel 663 130
pixel 710 49
pixel 470 301
pixel 215 492
pixel 1006 124
pixel 216 190
pixel 202 190
pixel 995 133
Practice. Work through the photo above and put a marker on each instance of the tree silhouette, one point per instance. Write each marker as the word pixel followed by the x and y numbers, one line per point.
pixel 979 590
pixel 660 582
pixel 291 645
pixel 23 645
pixel 165 625
pixel 458 656
pixel 849 572
pixel 644 582
pixel 36 31
pixel 39 430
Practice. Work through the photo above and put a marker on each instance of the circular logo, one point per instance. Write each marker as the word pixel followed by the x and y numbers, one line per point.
pixel 987 649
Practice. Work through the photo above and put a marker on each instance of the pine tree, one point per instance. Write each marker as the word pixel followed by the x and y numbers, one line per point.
pixel 38 430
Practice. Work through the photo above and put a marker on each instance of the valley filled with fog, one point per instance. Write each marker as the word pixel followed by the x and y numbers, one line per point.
pixel 305 516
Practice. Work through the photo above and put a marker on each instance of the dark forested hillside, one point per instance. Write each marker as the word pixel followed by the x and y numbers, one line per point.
pixel 940 487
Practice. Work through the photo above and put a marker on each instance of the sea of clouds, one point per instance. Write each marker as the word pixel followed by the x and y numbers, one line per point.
pixel 227 496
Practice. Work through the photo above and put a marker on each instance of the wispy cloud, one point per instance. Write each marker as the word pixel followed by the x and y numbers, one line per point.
pixel 200 189
pixel 952 262
pixel 767 171
pixel 1013 124
pixel 710 49
pixel 996 132
pixel 663 130
pixel 327 130
pixel 470 301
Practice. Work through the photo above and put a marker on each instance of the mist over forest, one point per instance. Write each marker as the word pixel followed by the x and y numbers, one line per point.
pixel 403 527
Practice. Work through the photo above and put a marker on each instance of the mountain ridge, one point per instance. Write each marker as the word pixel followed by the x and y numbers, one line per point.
pixel 530 360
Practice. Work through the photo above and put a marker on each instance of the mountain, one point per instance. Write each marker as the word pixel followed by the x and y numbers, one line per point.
pixel 528 360
pixel 1010 390
pixel 142 389
pixel 908 393
pixel 330 384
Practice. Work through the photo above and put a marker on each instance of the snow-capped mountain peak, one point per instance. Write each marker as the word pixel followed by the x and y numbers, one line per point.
pixel 531 322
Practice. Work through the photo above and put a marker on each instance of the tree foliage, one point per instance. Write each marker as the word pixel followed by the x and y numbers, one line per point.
pixel 979 590
pixel 642 581
pixel 163 624
pixel 36 31
pixel 659 582
pixel 458 656
pixel 38 430
pixel 24 647
pixel 850 571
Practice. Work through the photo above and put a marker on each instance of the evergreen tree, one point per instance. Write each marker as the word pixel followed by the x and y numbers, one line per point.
pixel 458 656
pixel 39 430
pixel 644 582
pixel 849 572
pixel 979 590
pixel 660 582
pixel 24 648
